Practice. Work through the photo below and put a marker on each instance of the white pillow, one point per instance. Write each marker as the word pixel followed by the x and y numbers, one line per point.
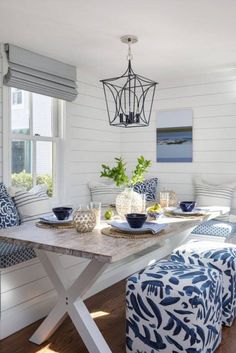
pixel 207 194
pixel 104 193
pixel 33 204
pixel 13 189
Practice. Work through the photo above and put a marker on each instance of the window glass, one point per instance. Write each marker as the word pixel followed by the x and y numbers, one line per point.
pixel 21 156
pixel 17 97
pixel 33 140
pixel 20 123
pixel 44 164
pixel 21 164
pixel 42 115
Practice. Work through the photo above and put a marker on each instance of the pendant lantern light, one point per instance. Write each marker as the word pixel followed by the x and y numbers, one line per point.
pixel 129 97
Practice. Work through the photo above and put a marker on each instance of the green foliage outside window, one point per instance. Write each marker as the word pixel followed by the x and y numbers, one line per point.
pixel 25 180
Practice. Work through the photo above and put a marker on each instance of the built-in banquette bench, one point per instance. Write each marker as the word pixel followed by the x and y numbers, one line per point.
pixel 26 294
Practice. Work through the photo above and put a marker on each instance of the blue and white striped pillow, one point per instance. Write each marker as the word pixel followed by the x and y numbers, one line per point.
pixel 213 194
pixel 104 193
pixel 33 204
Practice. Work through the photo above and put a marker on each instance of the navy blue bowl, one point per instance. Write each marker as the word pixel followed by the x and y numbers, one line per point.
pixel 62 213
pixel 136 220
pixel 187 206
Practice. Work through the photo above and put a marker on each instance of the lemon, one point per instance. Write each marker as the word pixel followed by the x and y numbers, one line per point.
pixel 108 214
pixel 156 208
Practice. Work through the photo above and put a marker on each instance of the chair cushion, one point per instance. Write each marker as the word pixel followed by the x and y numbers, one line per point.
pixel 33 204
pixel 8 213
pixel 215 228
pixel 147 187
pixel 11 254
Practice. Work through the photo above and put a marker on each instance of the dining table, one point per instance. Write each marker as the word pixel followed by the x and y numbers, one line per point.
pixel 124 255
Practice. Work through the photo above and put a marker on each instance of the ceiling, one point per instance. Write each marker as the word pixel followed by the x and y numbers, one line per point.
pixel 177 38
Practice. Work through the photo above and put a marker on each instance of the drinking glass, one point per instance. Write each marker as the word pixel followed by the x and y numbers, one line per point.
pixel 96 207
pixel 143 203
pixel 164 198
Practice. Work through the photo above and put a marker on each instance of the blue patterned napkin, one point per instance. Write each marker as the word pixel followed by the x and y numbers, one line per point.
pixel 152 227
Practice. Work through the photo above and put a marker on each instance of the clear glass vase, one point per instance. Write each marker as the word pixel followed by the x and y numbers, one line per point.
pixel 129 201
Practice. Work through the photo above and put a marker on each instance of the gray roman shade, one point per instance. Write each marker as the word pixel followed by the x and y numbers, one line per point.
pixel 37 73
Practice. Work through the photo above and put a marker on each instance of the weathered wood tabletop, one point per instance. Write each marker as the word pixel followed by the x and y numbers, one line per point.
pixel 92 245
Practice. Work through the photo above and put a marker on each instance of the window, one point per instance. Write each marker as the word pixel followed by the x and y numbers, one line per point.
pixel 34 139
pixel 17 98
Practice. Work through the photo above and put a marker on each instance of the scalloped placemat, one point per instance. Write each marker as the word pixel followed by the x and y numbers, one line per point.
pixel 55 226
pixel 115 233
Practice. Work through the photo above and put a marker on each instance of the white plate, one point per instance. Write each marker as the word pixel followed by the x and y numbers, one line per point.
pixel 52 219
pixel 196 211
pixel 153 227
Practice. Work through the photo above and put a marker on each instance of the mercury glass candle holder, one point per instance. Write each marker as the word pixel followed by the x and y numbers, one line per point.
pixel 84 220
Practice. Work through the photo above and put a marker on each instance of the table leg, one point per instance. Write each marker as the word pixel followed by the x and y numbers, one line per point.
pixel 50 324
pixel 71 302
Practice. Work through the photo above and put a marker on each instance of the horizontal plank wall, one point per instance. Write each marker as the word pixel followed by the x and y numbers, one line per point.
pixel 1 117
pixel 26 293
pixel 213 101
pixel 89 140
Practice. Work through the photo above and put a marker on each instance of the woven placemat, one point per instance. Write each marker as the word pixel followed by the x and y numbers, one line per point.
pixel 54 226
pixel 115 233
pixel 184 216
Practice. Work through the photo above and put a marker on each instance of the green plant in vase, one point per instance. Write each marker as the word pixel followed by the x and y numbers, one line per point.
pixel 118 173
pixel 127 201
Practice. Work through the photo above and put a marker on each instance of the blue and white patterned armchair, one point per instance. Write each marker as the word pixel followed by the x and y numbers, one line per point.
pixel 214 255
pixel 173 308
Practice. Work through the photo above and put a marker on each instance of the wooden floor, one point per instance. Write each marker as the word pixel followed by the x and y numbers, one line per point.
pixel 109 307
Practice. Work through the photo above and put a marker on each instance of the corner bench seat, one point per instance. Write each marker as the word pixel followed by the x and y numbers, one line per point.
pixel 11 254
pixel 26 293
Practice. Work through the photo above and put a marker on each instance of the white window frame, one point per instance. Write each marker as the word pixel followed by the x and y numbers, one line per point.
pixel 56 139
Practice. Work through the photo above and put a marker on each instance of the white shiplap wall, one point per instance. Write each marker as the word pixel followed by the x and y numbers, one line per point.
pixel 89 140
pixel 1 118
pixel 213 101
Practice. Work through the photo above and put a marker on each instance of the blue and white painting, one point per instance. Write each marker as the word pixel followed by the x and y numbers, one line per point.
pixel 174 141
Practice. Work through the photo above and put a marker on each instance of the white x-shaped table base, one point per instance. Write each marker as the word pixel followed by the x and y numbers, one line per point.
pixel 70 301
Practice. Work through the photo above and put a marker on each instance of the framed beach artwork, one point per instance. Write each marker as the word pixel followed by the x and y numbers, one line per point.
pixel 174 136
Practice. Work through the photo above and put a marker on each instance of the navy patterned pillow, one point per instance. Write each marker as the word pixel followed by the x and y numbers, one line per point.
pixel 147 187
pixel 3 189
pixel 8 212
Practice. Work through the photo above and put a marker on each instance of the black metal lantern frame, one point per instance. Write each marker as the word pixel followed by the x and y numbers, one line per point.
pixel 129 98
